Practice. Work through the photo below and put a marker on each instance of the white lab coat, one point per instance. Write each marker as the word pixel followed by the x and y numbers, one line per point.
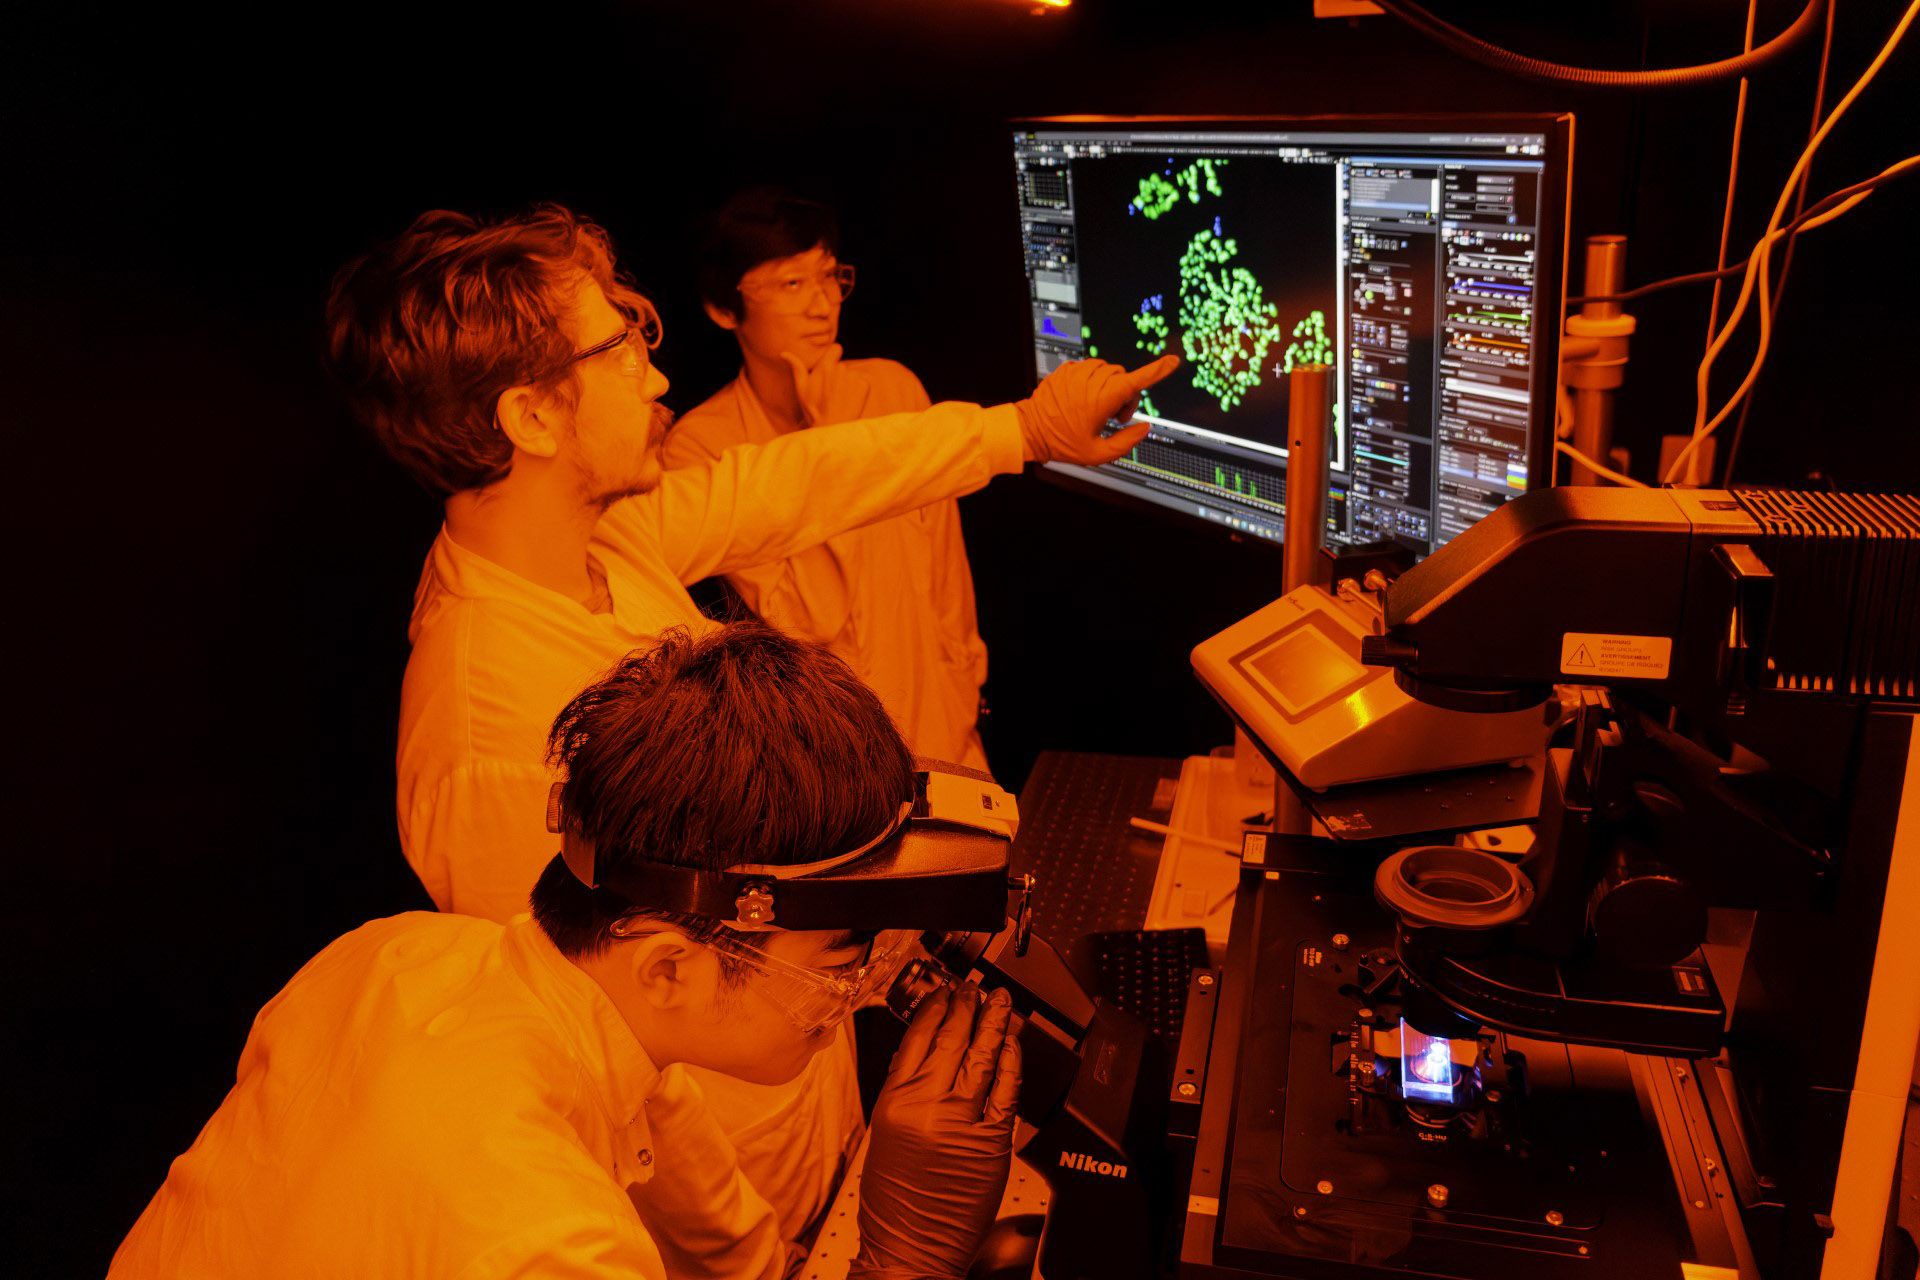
pixel 434 1096
pixel 894 598
pixel 495 657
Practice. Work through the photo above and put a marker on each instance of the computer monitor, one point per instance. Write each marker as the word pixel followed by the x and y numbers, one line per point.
pixel 1423 258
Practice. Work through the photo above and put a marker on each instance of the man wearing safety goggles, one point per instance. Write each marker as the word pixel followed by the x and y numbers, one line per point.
pixel 435 1095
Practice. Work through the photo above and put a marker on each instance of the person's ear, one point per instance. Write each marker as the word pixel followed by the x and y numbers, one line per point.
pixel 666 969
pixel 722 317
pixel 530 419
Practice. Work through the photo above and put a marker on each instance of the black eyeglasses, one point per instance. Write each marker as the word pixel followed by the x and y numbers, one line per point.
pixel 634 338
pixel 641 335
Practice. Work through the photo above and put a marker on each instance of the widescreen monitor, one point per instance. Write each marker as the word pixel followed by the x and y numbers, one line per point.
pixel 1423 258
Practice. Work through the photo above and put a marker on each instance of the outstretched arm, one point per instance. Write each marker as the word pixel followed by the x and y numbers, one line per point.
pixel 768 501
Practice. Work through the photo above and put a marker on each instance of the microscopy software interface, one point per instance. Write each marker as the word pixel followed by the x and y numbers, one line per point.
pixel 1409 261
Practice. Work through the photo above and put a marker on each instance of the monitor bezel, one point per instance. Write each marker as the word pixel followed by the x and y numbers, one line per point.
pixel 1556 204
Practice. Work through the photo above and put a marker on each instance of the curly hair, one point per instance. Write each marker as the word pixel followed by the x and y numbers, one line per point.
pixel 426 331
pixel 741 745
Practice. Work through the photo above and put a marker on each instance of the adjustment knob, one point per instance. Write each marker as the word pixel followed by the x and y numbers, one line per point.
pixel 1385 651
pixel 1643 915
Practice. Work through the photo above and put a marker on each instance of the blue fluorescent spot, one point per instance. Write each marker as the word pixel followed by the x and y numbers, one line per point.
pixel 1216 224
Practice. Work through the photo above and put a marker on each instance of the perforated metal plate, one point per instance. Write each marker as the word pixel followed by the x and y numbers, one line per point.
pixel 1094 872
pixel 1146 972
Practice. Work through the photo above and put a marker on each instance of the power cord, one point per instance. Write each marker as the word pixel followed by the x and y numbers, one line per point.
pixel 1811 217
pixel 1821 213
pixel 1733 176
pixel 1786 262
pixel 1598 468
pixel 1759 262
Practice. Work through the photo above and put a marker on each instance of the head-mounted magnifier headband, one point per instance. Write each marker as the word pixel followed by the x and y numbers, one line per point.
pixel 940 864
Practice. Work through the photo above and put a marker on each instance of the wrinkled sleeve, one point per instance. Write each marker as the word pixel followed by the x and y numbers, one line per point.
pixel 586 1248
pixel 768 589
pixel 478 837
pixel 761 502
pixel 705 1218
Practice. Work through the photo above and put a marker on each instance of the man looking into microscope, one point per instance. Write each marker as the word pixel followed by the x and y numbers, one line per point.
pixel 436 1096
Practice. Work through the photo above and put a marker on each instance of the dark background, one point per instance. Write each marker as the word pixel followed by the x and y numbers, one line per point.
pixel 211 569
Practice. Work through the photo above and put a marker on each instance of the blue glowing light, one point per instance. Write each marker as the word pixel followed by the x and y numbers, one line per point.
pixel 1426 1066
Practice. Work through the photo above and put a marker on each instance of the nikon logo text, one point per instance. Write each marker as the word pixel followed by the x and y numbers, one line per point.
pixel 1087 1164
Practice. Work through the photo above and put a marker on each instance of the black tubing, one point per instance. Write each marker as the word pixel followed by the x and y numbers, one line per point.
pixel 1519 64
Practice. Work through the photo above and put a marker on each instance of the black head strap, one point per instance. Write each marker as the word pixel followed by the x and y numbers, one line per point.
pixel 941 864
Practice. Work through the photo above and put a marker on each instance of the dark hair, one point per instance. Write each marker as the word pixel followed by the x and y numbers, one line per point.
pixel 758 225
pixel 426 330
pixel 741 745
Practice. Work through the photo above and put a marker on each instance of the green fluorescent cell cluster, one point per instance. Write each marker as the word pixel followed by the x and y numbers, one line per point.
pixel 1226 323
pixel 1153 332
pixel 1157 194
pixel 1310 343
pixel 1225 320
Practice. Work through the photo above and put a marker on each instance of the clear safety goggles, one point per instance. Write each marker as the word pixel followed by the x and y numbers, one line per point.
pixel 794 292
pixel 818 999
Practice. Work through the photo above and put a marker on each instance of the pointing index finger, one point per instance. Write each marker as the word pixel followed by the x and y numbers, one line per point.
pixel 1148 374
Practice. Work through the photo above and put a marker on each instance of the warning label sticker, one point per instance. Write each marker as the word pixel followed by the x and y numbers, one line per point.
pixel 1587 653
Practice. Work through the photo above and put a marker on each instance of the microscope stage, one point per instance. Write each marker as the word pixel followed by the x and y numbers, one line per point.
pixel 1542 1144
pixel 1551 1168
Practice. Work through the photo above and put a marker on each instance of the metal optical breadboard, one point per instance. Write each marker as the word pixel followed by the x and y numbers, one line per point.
pixel 1094 871
pixel 1147 973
